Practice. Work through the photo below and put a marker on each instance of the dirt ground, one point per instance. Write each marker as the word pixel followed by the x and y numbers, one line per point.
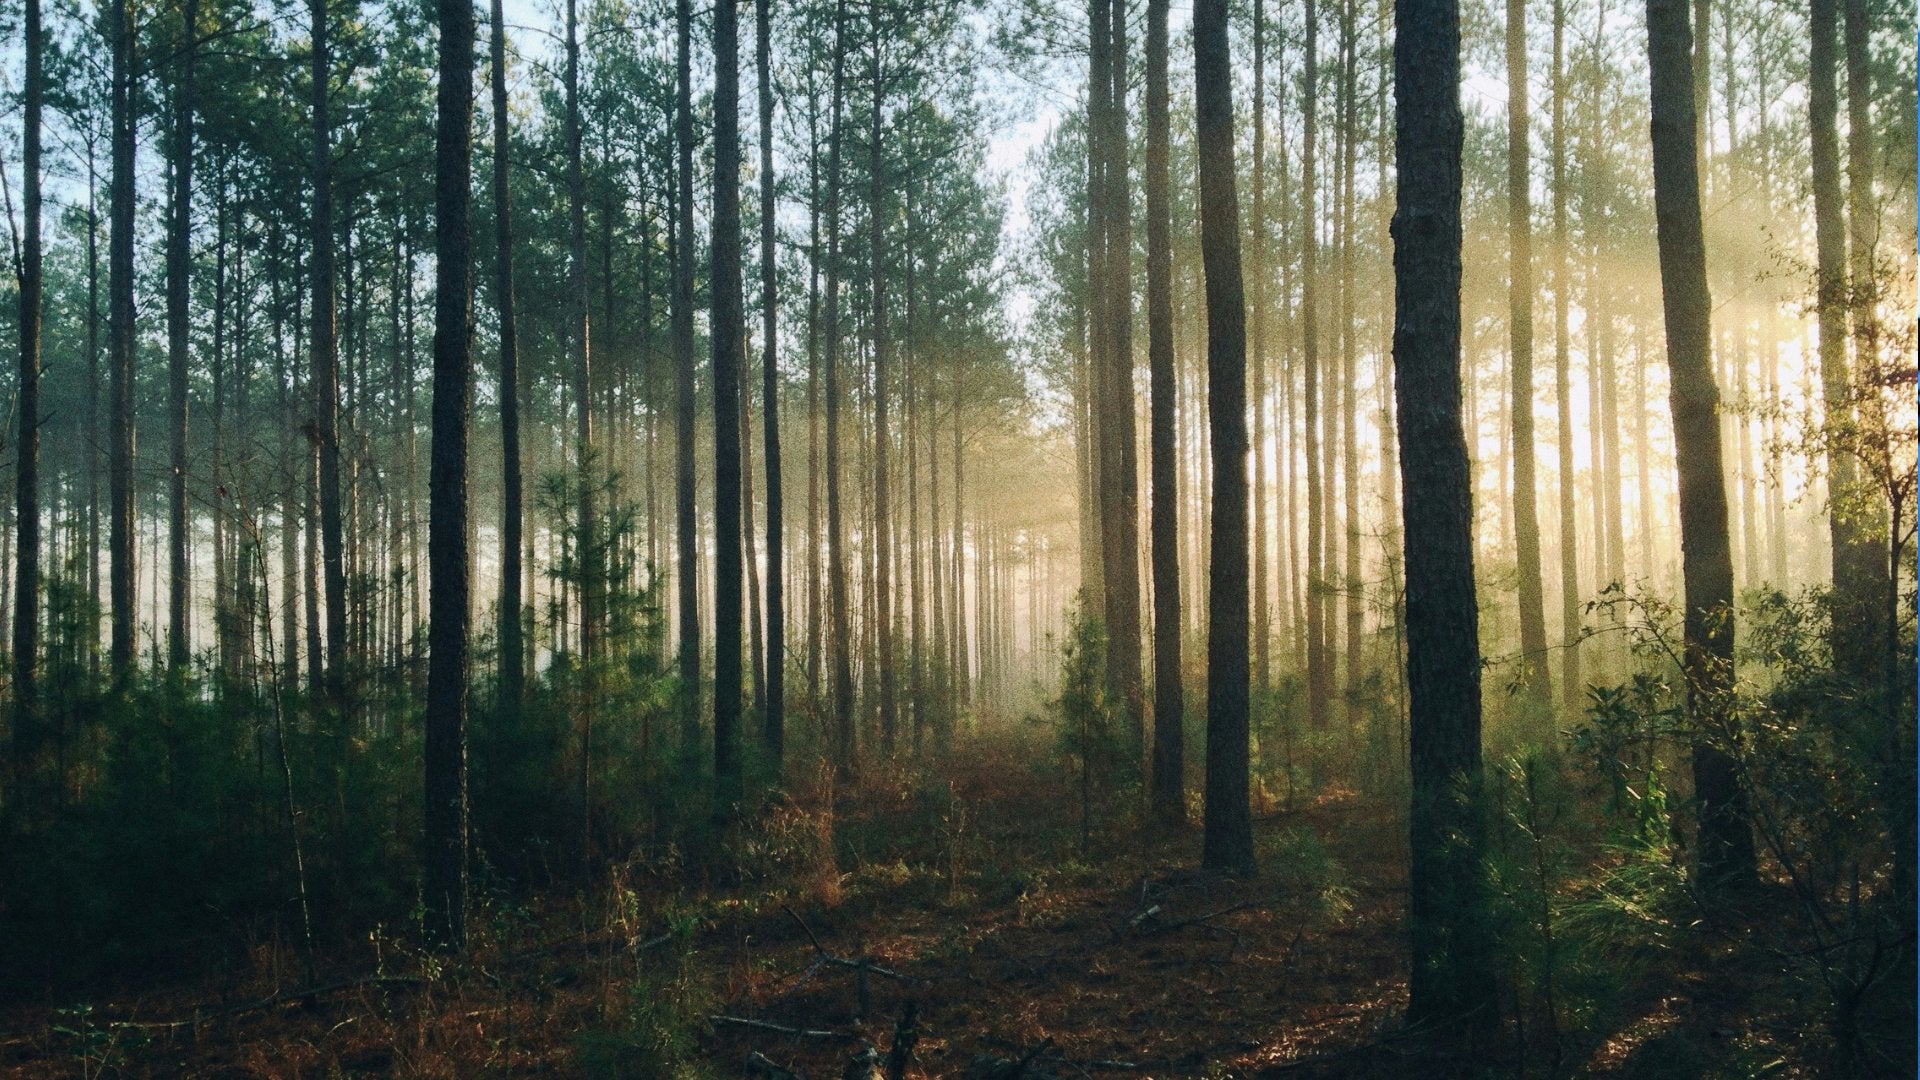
pixel 967 920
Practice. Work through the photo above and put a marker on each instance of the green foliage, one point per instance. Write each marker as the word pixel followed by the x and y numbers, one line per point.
pixel 655 1038
pixel 1087 732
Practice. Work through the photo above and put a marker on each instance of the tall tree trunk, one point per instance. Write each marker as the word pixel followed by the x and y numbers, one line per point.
pixel 686 537
pixel 1451 984
pixel 1169 796
pixel 773 715
pixel 26 592
pixel 120 346
pixel 179 266
pixel 1526 518
pixel 580 340
pixel 1119 495
pixel 1859 571
pixel 444 891
pixel 1319 670
pixel 324 342
pixel 839 626
pixel 882 518
pixel 727 333
pixel 1228 838
pixel 1257 339
pixel 728 346
pixel 513 659
pixel 1724 853
pixel 1572 687
pixel 1353 599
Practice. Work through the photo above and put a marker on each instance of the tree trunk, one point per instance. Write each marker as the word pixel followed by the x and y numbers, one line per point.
pixel 728 329
pixel 1859 571
pixel 323 341
pixel 179 266
pixel 1119 496
pixel 1228 841
pixel 1724 853
pixel 1526 518
pixel 1169 795
pixel 1572 687
pixel 26 593
pixel 120 346
pixel 883 521
pixel 1451 984
pixel 773 716
pixel 687 579
pixel 1319 673
pixel 839 627
pixel 513 660
pixel 444 891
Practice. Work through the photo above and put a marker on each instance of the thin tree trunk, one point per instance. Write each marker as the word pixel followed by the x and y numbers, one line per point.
pixel 121 344
pixel 513 658
pixel 179 263
pixel 1572 686
pixel 883 521
pixel 1526 520
pixel 773 714
pixel 685 523
pixel 326 363
pixel 26 593
pixel 839 626
pixel 1169 796
pixel 1319 673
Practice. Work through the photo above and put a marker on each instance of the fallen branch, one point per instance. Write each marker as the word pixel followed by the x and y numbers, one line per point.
pixel 781 1029
pixel 864 964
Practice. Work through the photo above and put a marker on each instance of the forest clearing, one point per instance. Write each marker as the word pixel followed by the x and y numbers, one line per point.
pixel 994 539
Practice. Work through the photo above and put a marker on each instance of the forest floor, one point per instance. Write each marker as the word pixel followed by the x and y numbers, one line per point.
pixel 970 905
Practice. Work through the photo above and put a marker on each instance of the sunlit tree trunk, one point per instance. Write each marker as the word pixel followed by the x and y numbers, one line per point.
pixel 1526 520
pixel 1572 687
pixel 1724 853
pixel 1319 664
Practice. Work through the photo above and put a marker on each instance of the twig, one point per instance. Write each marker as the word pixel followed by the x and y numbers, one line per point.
pixel 779 1029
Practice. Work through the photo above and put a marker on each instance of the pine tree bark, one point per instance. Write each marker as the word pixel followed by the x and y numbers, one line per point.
pixel 26 592
pixel 728 330
pixel 444 889
pixel 179 267
pixel 1169 706
pixel 686 524
pixel 513 661
pixel 1526 517
pixel 839 645
pixel 1451 985
pixel 1859 568
pixel 120 347
pixel 1319 667
pixel 324 343
pixel 773 716
pixel 1724 852
pixel 1118 464
pixel 1572 687
pixel 1228 837
pixel 882 517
